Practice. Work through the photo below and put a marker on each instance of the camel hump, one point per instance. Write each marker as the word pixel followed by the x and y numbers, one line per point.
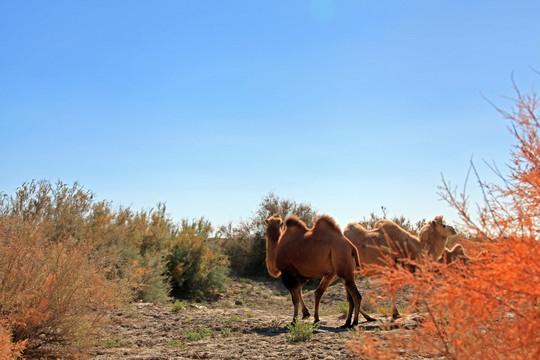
pixel 326 221
pixel 354 230
pixel 383 222
pixel 294 221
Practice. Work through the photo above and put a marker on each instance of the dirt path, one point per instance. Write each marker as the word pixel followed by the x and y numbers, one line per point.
pixel 248 321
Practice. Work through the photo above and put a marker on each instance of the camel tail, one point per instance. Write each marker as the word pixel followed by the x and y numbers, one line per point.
pixel 356 256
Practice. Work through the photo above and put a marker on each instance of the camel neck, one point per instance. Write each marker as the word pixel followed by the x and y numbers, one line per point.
pixel 273 232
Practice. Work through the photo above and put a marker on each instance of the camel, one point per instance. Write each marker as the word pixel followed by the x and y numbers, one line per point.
pixel 432 236
pixel 457 253
pixel 299 254
pixel 388 244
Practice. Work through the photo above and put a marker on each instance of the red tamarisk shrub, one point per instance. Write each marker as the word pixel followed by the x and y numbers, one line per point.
pixel 488 308
pixel 54 289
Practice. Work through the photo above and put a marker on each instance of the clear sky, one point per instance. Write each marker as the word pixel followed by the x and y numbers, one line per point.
pixel 210 105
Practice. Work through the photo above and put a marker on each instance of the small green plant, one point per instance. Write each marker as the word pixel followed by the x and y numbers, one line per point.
pixel 178 306
pixel 300 331
pixel 116 341
pixel 386 310
pixel 232 318
pixel 175 343
pixel 198 335
pixel 226 333
pixel 343 308
pixel 132 314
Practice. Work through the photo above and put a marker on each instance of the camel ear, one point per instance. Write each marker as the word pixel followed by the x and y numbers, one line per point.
pixel 266 221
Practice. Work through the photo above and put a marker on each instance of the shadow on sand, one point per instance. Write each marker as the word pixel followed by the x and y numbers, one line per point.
pixel 273 330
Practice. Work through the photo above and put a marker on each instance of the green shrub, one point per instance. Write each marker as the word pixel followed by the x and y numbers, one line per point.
pixel 175 343
pixel 198 335
pixel 195 269
pixel 178 306
pixel 300 331
pixel 138 242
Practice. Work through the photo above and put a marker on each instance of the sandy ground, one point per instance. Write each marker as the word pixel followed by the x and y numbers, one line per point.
pixel 247 321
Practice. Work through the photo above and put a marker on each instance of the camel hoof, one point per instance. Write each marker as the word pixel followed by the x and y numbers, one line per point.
pixel 395 317
pixel 306 316
pixel 370 319
pixel 346 326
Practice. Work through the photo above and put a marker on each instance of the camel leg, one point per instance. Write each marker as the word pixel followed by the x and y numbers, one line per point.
pixel 324 284
pixel 356 298
pixel 296 296
pixel 366 316
pixel 305 311
pixel 395 312
pixel 351 308
pixel 294 287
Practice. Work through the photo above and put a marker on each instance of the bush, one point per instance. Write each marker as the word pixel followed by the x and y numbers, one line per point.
pixel 139 243
pixel 53 290
pixel 8 350
pixel 245 244
pixel 487 309
pixel 300 331
pixel 66 259
pixel 195 269
pixel 132 245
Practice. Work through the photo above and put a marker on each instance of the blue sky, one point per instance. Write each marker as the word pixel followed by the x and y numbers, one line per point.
pixel 210 105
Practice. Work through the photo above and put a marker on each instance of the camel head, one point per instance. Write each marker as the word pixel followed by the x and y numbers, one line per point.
pixel 273 227
pixel 441 228
pixel 274 220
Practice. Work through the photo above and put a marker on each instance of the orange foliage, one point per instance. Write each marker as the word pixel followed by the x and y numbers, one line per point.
pixel 52 293
pixel 490 307
pixel 9 350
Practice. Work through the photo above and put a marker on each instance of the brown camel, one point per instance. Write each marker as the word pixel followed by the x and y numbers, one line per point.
pixel 457 253
pixel 389 244
pixel 299 254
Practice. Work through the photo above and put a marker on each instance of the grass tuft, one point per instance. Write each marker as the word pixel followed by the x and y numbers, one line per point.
pixel 300 331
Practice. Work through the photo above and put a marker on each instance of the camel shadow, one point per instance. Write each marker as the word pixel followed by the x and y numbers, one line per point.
pixel 270 330
pixel 368 326
pixel 273 330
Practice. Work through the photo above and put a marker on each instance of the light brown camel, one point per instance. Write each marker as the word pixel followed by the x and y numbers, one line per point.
pixel 299 254
pixel 457 253
pixel 432 236
pixel 389 244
